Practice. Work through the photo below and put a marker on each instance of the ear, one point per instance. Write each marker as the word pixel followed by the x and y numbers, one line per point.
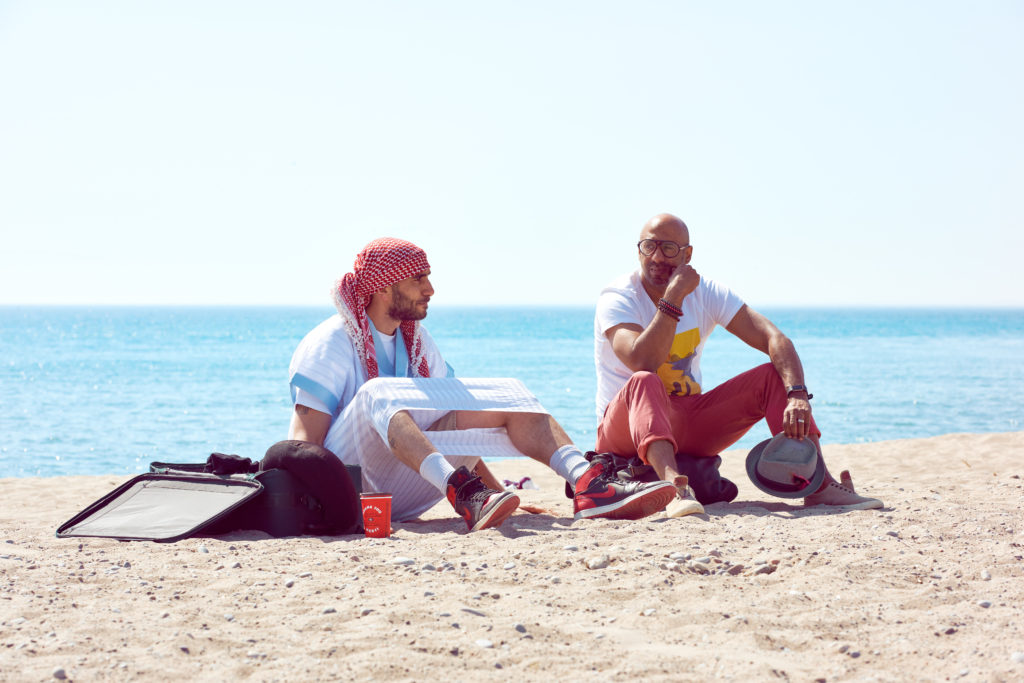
pixel 688 255
pixel 381 295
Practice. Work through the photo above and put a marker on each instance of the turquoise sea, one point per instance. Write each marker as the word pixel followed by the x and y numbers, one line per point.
pixel 107 390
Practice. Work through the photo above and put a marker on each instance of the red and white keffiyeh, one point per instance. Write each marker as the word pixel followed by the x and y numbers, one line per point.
pixel 381 263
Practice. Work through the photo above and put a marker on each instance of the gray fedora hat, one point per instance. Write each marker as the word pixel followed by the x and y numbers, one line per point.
pixel 784 467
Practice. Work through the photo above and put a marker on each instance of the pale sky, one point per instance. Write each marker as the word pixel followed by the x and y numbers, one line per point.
pixel 823 154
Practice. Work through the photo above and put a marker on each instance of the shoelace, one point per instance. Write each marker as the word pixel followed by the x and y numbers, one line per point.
pixel 476 491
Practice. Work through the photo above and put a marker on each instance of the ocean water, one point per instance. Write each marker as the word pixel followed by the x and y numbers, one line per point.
pixel 107 390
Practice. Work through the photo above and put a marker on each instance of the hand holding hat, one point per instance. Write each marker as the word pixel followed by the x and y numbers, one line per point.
pixel 785 467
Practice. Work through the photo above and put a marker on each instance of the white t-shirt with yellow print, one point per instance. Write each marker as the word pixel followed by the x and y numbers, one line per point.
pixel 625 301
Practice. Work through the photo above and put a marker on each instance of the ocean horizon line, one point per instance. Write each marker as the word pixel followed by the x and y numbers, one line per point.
pixel 507 306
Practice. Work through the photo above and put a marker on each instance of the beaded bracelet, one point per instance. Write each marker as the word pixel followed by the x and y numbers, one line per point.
pixel 668 309
pixel 670 306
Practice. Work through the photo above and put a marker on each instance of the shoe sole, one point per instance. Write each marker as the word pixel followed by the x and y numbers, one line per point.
pixel 685 507
pixel 872 504
pixel 641 504
pixel 497 514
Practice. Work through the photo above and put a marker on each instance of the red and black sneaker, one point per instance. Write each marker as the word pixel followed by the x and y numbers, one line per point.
pixel 600 493
pixel 480 506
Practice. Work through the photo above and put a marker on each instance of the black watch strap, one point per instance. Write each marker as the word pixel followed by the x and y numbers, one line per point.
pixel 799 387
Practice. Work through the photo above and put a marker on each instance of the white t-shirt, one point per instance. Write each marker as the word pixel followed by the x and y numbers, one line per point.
pixel 626 301
pixel 326 372
pixel 388 344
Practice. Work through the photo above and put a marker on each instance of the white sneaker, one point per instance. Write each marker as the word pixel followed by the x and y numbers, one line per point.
pixel 684 503
pixel 842 495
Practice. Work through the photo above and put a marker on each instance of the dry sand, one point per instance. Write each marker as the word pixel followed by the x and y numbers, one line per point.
pixel 930 587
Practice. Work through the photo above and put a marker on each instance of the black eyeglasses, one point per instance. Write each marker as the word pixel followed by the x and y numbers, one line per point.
pixel 668 247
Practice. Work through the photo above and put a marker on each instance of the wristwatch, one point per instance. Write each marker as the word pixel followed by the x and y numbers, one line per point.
pixel 798 387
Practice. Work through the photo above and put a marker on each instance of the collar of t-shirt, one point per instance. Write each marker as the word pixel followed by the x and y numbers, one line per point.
pixel 394 355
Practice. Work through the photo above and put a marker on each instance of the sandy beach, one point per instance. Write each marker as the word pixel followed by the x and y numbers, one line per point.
pixel 930 587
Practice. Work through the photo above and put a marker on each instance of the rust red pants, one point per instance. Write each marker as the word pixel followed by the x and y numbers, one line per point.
pixel 703 425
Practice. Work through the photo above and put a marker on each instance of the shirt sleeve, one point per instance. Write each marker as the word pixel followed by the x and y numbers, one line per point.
pixel 320 368
pixel 722 304
pixel 304 398
pixel 615 308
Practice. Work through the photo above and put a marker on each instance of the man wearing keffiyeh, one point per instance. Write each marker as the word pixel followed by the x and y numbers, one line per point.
pixel 377 334
pixel 382 264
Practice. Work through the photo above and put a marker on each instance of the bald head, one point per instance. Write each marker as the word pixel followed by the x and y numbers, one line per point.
pixel 663 248
pixel 665 226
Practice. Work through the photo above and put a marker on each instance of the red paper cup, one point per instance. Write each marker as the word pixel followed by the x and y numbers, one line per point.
pixel 376 514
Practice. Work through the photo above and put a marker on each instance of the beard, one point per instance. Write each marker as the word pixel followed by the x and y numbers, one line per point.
pixel 403 308
pixel 658 275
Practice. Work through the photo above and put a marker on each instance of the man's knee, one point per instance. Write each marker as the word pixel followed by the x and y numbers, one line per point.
pixel 399 422
pixel 530 423
pixel 644 379
pixel 643 385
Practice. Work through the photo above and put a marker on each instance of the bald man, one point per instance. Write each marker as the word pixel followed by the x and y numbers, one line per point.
pixel 649 334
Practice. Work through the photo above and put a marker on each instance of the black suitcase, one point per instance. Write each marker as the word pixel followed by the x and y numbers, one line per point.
pixel 305 489
pixel 162 507
pixel 286 507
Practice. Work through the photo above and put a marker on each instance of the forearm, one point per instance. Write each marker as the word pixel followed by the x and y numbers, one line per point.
pixel 649 349
pixel 796 417
pixel 785 359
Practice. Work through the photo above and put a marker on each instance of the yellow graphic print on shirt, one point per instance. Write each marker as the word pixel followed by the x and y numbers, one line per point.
pixel 675 373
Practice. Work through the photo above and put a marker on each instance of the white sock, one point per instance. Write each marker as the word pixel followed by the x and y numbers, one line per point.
pixel 570 464
pixel 436 470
